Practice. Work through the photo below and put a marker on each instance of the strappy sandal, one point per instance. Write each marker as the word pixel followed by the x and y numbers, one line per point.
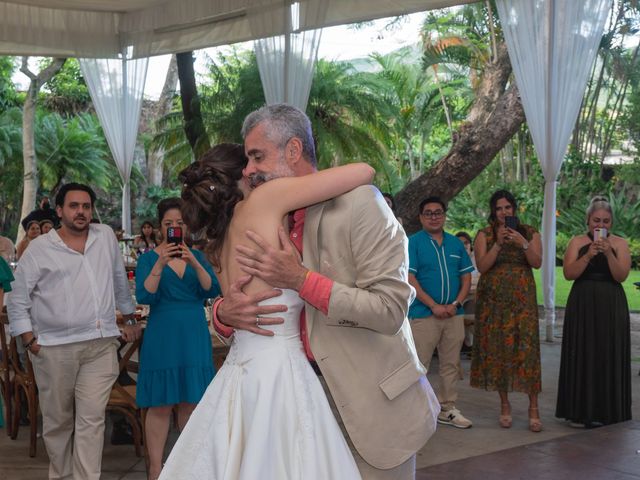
pixel 506 420
pixel 535 425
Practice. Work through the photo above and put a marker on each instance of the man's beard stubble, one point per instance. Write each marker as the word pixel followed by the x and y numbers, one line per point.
pixel 282 170
pixel 71 225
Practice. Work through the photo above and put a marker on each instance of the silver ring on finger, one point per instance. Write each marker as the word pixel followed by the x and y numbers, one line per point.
pixel 257 320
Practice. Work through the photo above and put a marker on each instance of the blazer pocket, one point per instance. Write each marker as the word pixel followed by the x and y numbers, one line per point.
pixel 400 379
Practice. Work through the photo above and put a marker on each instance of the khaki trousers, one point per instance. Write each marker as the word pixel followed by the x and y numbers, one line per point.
pixel 404 471
pixel 447 334
pixel 75 377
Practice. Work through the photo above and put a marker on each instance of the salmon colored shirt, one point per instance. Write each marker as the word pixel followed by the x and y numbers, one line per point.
pixel 316 289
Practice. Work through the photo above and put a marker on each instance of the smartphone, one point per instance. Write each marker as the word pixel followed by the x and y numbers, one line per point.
pixel 599 234
pixel 511 222
pixel 174 235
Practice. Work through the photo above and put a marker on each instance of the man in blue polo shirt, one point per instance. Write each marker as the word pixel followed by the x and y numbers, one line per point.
pixel 440 271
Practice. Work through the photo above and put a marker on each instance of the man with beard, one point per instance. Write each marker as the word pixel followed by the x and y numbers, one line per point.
pixel 63 305
pixel 353 278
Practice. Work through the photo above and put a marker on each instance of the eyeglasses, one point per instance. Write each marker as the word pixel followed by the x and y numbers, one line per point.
pixel 430 214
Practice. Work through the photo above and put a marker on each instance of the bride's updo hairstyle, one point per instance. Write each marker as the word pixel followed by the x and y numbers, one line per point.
pixel 599 203
pixel 210 192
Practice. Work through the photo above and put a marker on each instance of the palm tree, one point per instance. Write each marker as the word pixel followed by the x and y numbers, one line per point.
pixel 342 108
pixel 413 108
pixel 73 149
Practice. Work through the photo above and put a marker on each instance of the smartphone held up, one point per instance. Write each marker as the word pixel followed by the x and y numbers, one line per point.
pixel 599 233
pixel 511 222
pixel 174 235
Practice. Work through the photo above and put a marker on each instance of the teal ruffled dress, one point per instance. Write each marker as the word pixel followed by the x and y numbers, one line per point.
pixel 176 359
pixel 6 277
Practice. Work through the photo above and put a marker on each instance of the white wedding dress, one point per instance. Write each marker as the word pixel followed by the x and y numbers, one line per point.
pixel 264 416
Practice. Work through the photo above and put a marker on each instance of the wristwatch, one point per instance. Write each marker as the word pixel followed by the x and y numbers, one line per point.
pixel 525 246
pixel 130 321
pixel 457 304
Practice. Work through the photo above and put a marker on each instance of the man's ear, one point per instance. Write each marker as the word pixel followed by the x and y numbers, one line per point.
pixel 293 151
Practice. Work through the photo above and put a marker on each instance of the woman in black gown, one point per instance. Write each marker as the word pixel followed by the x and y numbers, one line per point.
pixel 594 387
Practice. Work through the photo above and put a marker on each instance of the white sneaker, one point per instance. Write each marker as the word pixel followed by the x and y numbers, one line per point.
pixel 454 418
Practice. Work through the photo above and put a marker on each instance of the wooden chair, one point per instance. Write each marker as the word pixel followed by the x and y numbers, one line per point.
pixel 24 382
pixel 6 374
pixel 123 399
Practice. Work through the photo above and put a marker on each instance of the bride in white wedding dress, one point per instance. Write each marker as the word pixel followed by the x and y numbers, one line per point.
pixel 265 414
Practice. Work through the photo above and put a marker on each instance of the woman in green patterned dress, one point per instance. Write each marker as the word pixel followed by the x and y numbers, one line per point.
pixel 506 348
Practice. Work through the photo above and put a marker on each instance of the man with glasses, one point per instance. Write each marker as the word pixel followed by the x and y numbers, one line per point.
pixel 440 271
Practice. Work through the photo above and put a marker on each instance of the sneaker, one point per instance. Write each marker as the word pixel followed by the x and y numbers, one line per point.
pixel 454 418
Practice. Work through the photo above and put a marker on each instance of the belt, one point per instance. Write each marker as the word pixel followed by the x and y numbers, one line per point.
pixel 315 367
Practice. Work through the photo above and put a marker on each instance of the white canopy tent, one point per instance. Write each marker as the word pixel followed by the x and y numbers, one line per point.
pixel 116 86
pixel 103 28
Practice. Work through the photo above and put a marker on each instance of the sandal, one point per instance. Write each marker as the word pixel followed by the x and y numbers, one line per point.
pixel 505 420
pixel 535 425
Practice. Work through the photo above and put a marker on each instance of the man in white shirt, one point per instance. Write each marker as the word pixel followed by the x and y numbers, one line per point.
pixel 63 305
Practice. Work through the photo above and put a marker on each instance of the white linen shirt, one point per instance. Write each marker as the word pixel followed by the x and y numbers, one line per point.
pixel 64 296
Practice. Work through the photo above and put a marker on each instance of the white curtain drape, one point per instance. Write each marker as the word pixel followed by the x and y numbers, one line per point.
pixel 286 62
pixel 116 86
pixel 552 45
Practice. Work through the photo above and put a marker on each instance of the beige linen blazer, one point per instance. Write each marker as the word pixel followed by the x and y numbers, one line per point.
pixel 364 346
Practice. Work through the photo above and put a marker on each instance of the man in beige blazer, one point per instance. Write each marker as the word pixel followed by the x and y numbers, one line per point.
pixel 355 250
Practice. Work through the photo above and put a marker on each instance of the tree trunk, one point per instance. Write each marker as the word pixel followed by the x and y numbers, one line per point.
pixel 193 125
pixel 165 102
pixel 30 161
pixel 495 117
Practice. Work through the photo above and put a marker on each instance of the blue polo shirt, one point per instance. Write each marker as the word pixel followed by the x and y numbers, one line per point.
pixel 437 269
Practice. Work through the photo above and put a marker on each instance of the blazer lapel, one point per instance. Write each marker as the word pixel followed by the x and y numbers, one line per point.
pixel 310 253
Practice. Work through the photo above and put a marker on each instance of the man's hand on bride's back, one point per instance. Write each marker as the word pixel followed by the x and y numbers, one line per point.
pixel 280 267
pixel 243 312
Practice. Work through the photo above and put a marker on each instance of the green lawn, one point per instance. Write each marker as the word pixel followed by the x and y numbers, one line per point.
pixel 563 286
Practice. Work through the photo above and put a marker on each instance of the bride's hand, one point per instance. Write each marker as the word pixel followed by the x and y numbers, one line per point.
pixel 279 267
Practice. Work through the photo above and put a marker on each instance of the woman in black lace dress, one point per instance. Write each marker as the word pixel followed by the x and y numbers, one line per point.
pixel 594 387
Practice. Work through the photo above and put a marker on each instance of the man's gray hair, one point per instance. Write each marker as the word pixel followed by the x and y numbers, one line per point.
pixel 283 122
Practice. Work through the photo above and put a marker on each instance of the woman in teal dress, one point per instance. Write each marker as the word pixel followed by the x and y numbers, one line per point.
pixel 176 360
pixel 6 277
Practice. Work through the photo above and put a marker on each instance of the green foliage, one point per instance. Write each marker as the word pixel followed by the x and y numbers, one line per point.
pixel 8 95
pixel 230 91
pixel 458 40
pixel 67 93
pixel 470 208
pixel 631 116
pixel 562 242
pixel 11 168
pixel 147 209
pixel 72 150
pixel 412 107
pixel 634 248
pixel 346 112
